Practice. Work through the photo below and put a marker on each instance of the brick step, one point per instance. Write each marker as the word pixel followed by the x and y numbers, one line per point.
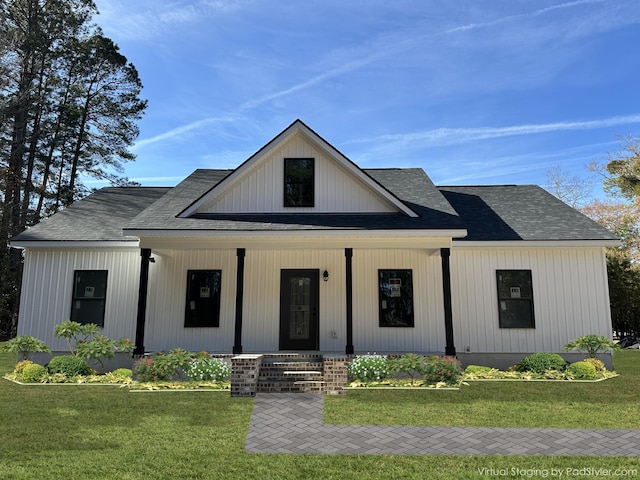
pixel 288 386
pixel 302 372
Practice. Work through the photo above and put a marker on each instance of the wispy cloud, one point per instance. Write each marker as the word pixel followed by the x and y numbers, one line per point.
pixel 147 19
pixel 448 136
pixel 184 131
pixel 352 60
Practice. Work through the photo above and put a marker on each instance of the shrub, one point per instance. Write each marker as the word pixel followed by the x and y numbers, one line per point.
pixel 541 362
pixel 475 369
pixel 591 345
pixel 410 364
pixel 75 332
pixel 149 369
pixel 173 362
pixel 101 347
pixel 596 363
pixel 369 368
pixel 582 370
pixel 122 373
pixel 442 370
pixel 208 369
pixel 24 345
pixel 33 373
pixel 68 365
pixel 20 366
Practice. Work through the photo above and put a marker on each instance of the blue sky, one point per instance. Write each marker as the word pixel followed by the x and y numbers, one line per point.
pixel 472 91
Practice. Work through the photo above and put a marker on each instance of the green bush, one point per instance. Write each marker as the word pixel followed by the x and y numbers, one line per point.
pixel 475 369
pixel 152 369
pixel 442 370
pixel 541 362
pixel 410 364
pixel 122 373
pixel 24 346
pixel 596 363
pixel 33 373
pixel 68 365
pixel 369 368
pixel 208 369
pixel 173 362
pixel 20 366
pixel 591 344
pixel 582 370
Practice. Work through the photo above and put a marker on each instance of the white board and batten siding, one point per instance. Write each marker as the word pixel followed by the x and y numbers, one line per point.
pixel 47 290
pixel 261 187
pixel 261 310
pixel 570 296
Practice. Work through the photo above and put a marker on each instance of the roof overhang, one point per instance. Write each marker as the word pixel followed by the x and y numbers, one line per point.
pixel 536 243
pixel 79 244
pixel 304 239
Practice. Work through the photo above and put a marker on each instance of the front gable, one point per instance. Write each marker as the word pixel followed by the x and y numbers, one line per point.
pixel 258 185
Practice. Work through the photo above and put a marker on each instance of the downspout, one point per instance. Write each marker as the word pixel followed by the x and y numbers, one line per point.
pixel 237 337
pixel 348 253
pixel 450 348
pixel 145 255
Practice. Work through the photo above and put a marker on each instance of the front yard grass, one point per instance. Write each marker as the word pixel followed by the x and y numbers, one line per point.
pixel 88 432
pixel 613 403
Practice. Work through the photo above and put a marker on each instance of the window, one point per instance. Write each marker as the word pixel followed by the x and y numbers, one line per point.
pixel 203 298
pixel 89 296
pixel 515 298
pixel 395 298
pixel 298 182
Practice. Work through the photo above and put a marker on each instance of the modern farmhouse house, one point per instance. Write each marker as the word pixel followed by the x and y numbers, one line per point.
pixel 299 249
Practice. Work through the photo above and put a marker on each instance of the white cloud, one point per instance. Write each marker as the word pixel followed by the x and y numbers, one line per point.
pixel 448 136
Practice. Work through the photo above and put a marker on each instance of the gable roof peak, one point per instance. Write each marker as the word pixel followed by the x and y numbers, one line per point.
pixel 298 126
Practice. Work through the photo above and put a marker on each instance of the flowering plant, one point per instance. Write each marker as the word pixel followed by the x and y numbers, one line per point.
pixel 442 369
pixel 207 368
pixel 369 368
pixel 149 369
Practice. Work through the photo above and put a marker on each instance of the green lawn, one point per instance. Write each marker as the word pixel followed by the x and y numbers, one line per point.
pixel 83 432
pixel 613 403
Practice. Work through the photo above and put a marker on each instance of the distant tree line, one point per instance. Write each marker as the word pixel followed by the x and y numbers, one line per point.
pixel 69 106
pixel 620 213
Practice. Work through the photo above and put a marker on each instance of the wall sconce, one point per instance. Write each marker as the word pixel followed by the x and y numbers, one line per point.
pixel 325 276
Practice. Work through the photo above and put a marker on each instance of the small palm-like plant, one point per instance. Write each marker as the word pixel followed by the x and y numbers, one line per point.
pixel 24 345
pixel 591 345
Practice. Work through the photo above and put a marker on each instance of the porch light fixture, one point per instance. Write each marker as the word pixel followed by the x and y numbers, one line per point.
pixel 325 276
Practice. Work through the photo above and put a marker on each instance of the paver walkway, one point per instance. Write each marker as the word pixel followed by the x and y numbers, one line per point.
pixel 292 423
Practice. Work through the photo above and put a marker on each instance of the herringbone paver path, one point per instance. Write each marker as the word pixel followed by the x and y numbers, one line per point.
pixel 292 423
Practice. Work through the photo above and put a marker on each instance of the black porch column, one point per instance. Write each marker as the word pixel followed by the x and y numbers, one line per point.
pixel 145 255
pixel 237 337
pixel 348 253
pixel 450 348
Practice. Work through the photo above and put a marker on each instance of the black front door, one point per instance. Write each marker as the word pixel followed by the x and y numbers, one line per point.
pixel 299 309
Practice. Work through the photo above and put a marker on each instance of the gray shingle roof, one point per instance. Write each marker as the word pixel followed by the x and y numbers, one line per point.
pixel 520 212
pixel 97 217
pixel 424 198
pixel 489 213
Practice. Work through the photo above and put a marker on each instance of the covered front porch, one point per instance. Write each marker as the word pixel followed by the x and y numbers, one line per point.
pixel 338 308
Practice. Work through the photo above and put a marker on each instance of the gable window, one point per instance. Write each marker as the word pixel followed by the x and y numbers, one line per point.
pixel 395 298
pixel 89 296
pixel 299 182
pixel 515 299
pixel 203 298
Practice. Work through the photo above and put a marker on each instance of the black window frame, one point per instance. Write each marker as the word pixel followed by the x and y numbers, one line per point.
pixel 515 298
pixel 93 298
pixel 396 305
pixel 298 191
pixel 202 313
